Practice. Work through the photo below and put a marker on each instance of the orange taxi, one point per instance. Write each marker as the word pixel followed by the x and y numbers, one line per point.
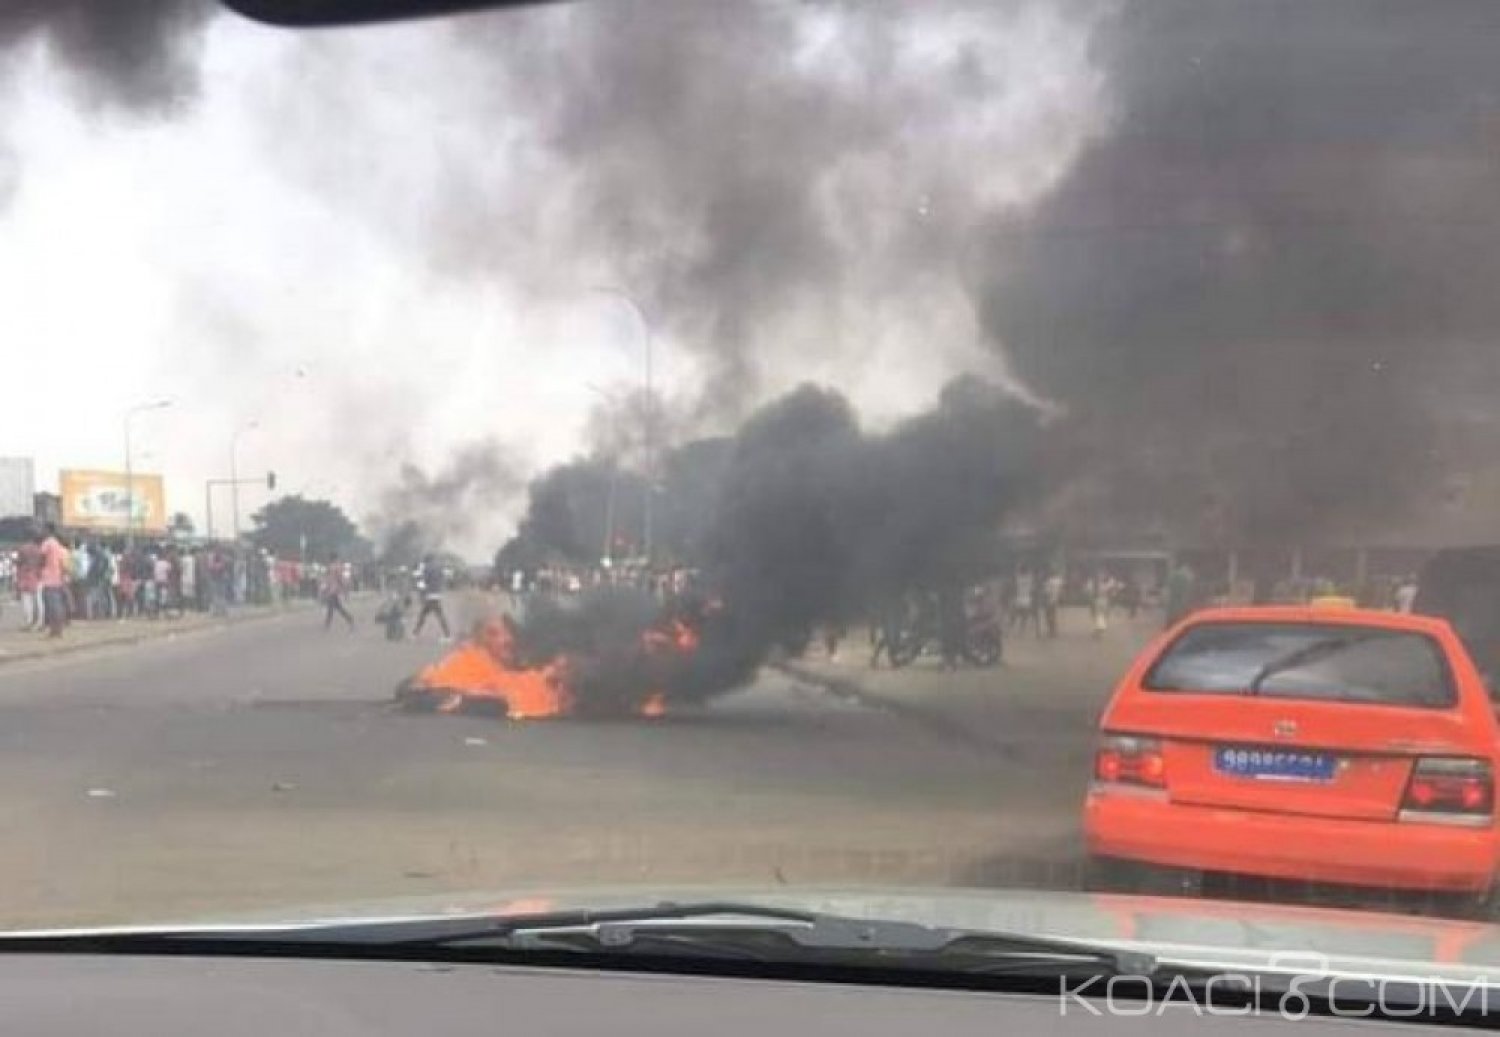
pixel 1327 744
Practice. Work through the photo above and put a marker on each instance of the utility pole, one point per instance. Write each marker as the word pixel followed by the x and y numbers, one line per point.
pixel 234 474
pixel 130 466
pixel 608 556
pixel 648 419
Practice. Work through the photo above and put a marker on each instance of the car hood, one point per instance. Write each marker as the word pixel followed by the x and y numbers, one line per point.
pixel 1177 930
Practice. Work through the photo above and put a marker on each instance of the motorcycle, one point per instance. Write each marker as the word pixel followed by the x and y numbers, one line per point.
pixel 981 646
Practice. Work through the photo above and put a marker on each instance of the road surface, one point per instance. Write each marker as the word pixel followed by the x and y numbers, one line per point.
pixel 259 765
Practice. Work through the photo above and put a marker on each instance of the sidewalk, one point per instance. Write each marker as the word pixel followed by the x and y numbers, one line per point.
pixel 85 635
pixel 1048 692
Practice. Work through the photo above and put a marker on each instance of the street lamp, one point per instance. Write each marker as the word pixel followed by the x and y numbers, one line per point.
pixel 608 556
pixel 130 413
pixel 649 417
pixel 234 473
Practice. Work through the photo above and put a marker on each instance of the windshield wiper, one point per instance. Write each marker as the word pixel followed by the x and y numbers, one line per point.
pixel 1306 654
pixel 702 929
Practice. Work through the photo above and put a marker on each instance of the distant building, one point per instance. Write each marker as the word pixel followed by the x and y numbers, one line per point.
pixel 17 487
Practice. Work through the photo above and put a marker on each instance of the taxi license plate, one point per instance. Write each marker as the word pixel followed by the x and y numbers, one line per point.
pixel 1242 761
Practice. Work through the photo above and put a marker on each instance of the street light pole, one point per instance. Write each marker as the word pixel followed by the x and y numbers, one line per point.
pixel 648 418
pixel 130 466
pixel 608 557
pixel 234 475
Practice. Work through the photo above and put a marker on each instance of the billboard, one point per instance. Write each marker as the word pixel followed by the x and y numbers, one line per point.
pixel 17 487
pixel 99 500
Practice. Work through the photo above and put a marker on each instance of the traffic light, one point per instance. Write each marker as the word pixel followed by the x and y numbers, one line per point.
pixel 270 480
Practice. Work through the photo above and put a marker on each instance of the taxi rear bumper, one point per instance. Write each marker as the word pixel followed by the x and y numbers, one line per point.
pixel 1134 824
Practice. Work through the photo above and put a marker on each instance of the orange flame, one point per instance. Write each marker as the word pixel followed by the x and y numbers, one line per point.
pixel 485 669
pixel 676 637
pixel 481 669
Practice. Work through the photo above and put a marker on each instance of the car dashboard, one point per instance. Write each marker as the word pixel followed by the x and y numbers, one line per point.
pixel 164 996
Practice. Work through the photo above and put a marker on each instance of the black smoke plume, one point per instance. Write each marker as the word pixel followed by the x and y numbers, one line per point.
pixel 423 511
pixel 1266 295
pixel 750 172
pixel 812 520
pixel 134 54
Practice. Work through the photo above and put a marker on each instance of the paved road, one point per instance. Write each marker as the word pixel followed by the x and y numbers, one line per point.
pixel 257 765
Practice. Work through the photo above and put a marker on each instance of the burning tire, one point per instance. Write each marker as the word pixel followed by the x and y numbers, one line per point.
pixel 413 699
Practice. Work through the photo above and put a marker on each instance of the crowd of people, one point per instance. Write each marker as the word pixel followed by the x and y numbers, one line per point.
pixel 969 624
pixel 561 579
pixel 59 579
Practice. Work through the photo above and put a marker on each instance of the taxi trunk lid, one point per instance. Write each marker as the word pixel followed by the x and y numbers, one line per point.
pixel 1291 756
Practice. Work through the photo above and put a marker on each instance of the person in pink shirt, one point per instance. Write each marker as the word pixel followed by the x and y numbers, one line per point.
pixel 53 582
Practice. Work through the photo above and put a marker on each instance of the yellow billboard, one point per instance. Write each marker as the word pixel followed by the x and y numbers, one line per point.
pixel 100 500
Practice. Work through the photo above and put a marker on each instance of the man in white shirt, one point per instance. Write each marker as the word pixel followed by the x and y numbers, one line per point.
pixel 1406 594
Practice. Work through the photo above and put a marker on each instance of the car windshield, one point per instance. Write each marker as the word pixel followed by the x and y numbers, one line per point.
pixel 697 450
pixel 1307 661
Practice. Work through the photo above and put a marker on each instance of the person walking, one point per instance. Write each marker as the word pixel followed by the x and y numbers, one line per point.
pixel 833 632
pixel 187 564
pixel 1101 587
pixel 886 628
pixel 145 592
pixel 335 586
pixel 169 569
pixel 114 582
pixel 29 582
pixel 101 600
pixel 1182 586
pixel 161 578
pixel 53 582
pixel 430 581
pixel 1023 603
pixel 79 603
pixel 218 582
pixel 1052 588
pixel 1406 594
pixel 127 584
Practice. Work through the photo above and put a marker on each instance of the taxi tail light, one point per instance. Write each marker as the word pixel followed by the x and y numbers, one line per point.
pixel 1130 760
pixel 1453 788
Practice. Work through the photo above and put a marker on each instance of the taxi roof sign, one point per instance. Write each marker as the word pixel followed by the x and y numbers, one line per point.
pixel 1332 601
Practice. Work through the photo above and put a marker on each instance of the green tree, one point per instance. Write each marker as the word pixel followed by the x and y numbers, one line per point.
pixel 295 527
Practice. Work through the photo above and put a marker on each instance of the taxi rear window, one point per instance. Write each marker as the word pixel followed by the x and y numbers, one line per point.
pixel 1328 662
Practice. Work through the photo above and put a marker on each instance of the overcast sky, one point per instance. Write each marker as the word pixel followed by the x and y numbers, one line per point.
pixel 379 245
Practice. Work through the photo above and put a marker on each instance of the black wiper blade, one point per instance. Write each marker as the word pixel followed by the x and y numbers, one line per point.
pixel 1306 654
pixel 405 932
pixel 708 928
pixel 449 932
pixel 845 941
pixel 741 930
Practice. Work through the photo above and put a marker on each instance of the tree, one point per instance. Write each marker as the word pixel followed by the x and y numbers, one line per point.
pixel 181 524
pixel 298 528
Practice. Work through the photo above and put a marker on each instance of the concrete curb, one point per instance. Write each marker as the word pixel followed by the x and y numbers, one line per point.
pixel 166 631
pixel 948 727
